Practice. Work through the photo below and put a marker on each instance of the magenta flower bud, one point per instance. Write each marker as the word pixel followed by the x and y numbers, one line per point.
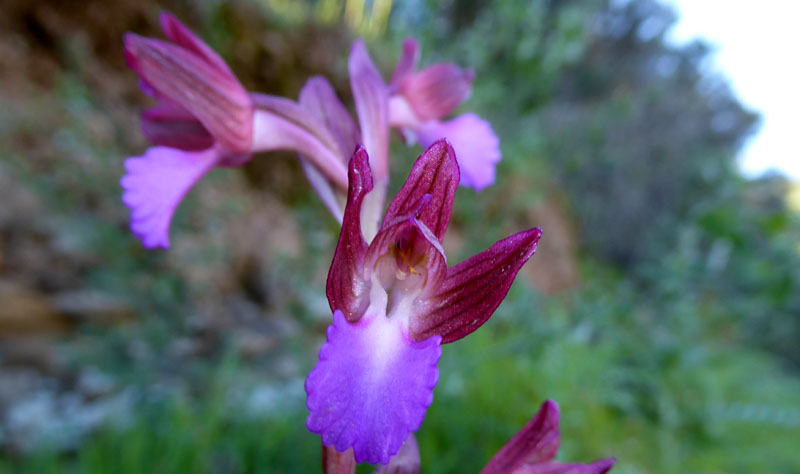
pixel 395 301
pixel 532 450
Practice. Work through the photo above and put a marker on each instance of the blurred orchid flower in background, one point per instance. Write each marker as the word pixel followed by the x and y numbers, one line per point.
pixel 532 449
pixel 421 99
pixel 205 119
pixel 394 302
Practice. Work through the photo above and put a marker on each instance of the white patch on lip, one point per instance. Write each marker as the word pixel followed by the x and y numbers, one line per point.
pixel 384 333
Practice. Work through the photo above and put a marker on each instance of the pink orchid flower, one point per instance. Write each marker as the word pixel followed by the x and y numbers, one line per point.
pixel 394 302
pixel 531 451
pixel 206 119
pixel 420 99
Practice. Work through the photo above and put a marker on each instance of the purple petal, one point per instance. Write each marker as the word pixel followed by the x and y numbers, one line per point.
pixel 537 442
pixel 179 75
pixel 404 462
pixel 403 117
pixel 346 287
pixel 407 63
pixel 281 124
pixel 477 147
pixel 371 386
pixel 173 127
pixel 184 37
pixel 331 199
pixel 437 90
pixel 436 173
pixel 319 99
pixel 154 185
pixel 473 289
pixel 532 449
pixel 371 97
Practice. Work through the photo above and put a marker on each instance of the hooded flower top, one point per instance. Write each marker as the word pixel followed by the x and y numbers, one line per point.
pixel 395 301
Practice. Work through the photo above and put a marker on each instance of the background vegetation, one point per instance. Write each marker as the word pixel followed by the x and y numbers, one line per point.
pixel 662 310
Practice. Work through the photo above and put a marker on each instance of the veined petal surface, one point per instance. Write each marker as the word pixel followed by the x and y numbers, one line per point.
pixel 346 287
pixel 371 96
pixel 473 289
pixel 179 75
pixel 532 449
pixel 181 35
pixel 436 173
pixel 173 127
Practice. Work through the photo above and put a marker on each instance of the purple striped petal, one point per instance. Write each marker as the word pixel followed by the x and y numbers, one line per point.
pixel 537 442
pixel 318 98
pixel 371 387
pixel 532 449
pixel 170 126
pixel 179 34
pixel 346 287
pixel 155 184
pixel 371 97
pixel 181 76
pixel 282 124
pixel 436 173
pixel 437 90
pixel 473 289
pixel 407 63
pixel 475 143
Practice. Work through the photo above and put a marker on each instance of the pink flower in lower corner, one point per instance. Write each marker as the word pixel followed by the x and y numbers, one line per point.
pixel 395 301
pixel 421 99
pixel 532 450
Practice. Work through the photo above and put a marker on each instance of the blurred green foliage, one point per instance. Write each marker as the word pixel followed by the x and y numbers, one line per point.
pixel 677 353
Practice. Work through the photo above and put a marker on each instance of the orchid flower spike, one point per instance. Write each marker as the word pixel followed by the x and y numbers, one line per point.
pixel 531 451
pixel 421 99
pixel 394 302
pixel 205 119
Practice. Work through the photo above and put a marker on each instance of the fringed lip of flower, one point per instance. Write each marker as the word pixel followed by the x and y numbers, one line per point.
pixel 395 301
